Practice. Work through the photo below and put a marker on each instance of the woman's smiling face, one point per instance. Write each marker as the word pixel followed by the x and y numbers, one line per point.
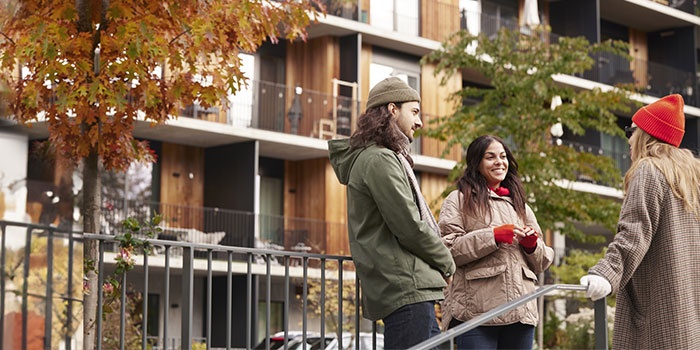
pixel 494 164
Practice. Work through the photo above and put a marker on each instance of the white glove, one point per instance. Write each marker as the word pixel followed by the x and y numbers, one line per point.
pixel 598 287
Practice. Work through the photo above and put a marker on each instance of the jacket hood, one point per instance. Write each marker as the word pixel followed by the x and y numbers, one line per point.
pixel 342 158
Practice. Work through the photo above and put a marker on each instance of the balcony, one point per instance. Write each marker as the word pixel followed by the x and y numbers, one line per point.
pixel 653 78
pixel 223 227
pixel 276 107
pixel 621 157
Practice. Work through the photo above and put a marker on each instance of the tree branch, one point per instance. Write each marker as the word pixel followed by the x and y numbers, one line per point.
pixel 8 38
pixel 179 35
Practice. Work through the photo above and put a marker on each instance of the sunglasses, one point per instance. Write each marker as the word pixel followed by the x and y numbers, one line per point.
pixel 629 130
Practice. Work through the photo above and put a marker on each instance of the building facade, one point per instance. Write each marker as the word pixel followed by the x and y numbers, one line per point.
pixel 256 174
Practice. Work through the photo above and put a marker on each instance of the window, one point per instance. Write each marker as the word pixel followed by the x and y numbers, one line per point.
pixel 618 149
pixel 271 210
pixel 497 14
pixel 470 16
pixel 276 318
pixel 124 195
pixel 240 112
pixel 394 15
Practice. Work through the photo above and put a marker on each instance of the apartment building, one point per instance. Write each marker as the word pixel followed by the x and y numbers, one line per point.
pixel 257 174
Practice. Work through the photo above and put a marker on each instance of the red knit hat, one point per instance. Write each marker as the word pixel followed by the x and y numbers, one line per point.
pixel 663 119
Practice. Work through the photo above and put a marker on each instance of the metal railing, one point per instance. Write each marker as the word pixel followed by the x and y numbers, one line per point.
pixel 622 157
pixel 600 318
pixel 40 287
pixel 252 269
pixel 218 304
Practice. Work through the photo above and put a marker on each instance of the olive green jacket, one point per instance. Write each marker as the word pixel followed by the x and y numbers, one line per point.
pixel 398 258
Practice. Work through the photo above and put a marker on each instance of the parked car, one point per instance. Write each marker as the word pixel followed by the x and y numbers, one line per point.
pixel 295 341
pixel 365 341
pixel 313 341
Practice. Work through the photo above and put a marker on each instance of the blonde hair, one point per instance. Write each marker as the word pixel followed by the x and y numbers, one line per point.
pixel 680 168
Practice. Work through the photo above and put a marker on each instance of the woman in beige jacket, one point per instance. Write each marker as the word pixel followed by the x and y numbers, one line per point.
pixel 496 243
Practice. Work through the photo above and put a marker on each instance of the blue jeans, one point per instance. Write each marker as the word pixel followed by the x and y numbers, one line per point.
pixel 410 325
pixel 512 336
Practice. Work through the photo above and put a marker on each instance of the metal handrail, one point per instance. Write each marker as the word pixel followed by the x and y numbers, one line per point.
pixel 600 317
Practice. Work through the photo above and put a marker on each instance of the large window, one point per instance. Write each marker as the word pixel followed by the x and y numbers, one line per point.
pixel 240 112
pixel 470 16
pixel 124 195
pixel 395 15
pixel 388 64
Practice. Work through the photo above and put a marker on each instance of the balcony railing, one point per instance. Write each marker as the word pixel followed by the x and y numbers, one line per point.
pixel 342 8
pixel 276 107
pixel 621 158
pixel 653 78
pixel 222 226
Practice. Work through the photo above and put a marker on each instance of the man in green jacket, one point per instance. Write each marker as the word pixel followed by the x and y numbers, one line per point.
pixel 394 239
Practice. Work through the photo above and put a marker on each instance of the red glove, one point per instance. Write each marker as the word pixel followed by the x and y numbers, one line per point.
pixel 529 243
pixel 504 233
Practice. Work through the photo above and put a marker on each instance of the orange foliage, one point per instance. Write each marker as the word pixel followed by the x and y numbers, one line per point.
pixel 90 71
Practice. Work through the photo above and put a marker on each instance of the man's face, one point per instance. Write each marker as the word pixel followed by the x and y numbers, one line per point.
pixel 407 117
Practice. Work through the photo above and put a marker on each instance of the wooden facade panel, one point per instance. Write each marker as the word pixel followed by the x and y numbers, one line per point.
pixel 312 65
pixel 365 59
pixel 305 188
pixel 434 103
pixel 432 186
pixel 639 50
pixel 439 19
pixel 336 214
pixel 182 185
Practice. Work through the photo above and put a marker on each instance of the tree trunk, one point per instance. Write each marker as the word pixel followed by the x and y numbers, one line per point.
pixel 92 185
pixel 91 224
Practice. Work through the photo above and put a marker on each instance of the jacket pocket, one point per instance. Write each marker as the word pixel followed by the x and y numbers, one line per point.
pixel 529 280
pixel 425 277
pixel 484 288
pixel 528 274
pixel 485 272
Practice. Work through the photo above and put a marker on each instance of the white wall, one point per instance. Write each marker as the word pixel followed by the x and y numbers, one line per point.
pixel 14 149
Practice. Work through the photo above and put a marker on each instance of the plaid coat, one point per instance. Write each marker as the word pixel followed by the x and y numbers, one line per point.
pixel 653 265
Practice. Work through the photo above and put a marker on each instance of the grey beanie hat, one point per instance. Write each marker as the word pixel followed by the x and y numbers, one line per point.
pixel 390 90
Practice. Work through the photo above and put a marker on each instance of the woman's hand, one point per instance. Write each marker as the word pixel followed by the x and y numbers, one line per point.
pixel 527 238
pixel 522 232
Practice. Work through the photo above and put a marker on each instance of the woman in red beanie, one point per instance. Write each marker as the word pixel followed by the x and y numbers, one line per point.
pixel 653 264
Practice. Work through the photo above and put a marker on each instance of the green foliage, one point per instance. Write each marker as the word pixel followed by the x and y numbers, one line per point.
pixel 517 107
pixel 576 331
pixel 349 304
pixel 112 286
pixel 576 264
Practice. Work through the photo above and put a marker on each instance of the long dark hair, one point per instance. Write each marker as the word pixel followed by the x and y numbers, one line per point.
pixel 377 125
pixel 473 185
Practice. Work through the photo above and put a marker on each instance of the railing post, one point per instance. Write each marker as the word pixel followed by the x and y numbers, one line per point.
pixel 601 324
pixel 187 297
pixel 3 239
pixel 48 307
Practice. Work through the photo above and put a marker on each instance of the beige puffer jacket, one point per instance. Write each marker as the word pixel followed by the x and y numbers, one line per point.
pixel 489 274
